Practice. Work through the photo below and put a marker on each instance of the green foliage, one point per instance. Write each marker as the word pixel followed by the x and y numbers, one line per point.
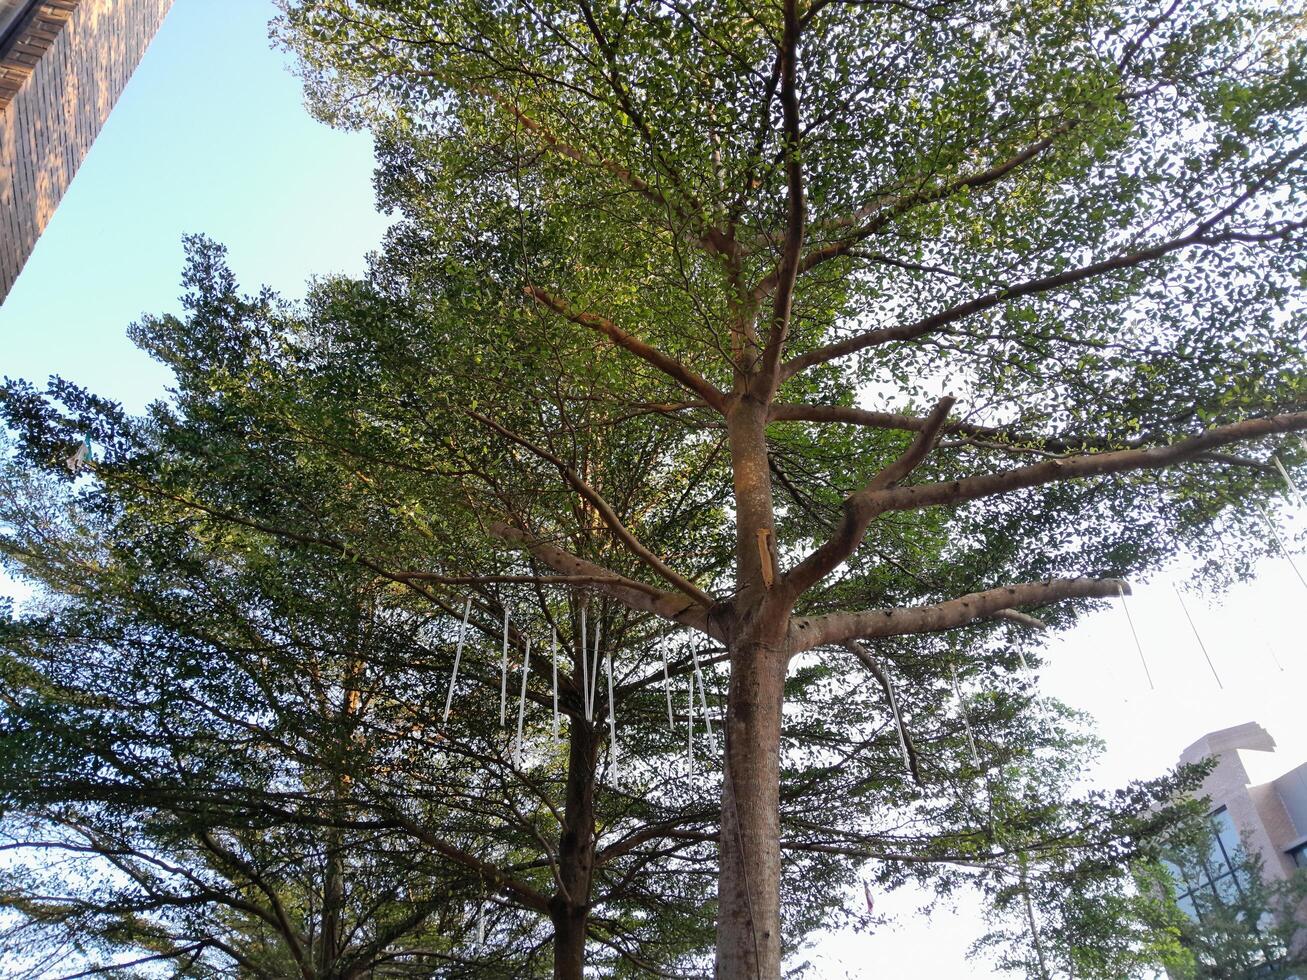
pixel 1081 219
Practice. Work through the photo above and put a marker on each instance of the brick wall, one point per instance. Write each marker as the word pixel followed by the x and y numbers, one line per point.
pixel 60 75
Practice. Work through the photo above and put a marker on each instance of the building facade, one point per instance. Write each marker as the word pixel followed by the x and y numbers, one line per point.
pixel 1253 798
pixel 63 64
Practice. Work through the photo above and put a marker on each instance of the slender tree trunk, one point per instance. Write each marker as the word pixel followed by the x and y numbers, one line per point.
pixel 569 909
pixel 748 924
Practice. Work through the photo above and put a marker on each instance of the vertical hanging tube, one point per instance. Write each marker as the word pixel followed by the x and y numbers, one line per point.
pixel 898 722
pixel 962 710
pixel 594 667
pixel 667 684
pixel 703 690
pixel 458 655
pixel 521 702
pixel 1138 646
pixel 585 667
pixel 612 713
pixel 553 660
pixel 1288 481
pixel 503 675
pixel 689 718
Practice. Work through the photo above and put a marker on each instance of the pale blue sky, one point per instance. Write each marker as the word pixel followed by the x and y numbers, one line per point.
pixel 211 136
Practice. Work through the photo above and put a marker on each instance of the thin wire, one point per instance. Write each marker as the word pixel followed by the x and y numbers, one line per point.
pixel 1138 646
pixel 1280 541
pixel 1193 627
pixel 458 655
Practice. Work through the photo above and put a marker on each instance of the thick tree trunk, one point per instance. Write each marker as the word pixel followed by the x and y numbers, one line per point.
pixel 748 926
pixel 569 909
pixel 569 940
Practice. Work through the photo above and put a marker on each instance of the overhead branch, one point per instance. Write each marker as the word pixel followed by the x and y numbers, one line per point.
pixel 876 215
pixel 581 580
pixel 668 365
pixel 848 535
pixel 861 508
pixel 1202 234
pixel 840 628
pixel 492 875
pixel 604 509
pixel 979 304
pixel 712 239
pixel 669 605
pixel 1076 467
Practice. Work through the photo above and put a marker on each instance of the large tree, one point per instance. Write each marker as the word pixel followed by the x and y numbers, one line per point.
pixel 1013 277
pixel 273 567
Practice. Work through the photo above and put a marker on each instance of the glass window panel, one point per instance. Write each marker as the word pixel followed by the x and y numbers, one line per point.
pixel 1227 889
pixel 1187 906
pixel 1227 844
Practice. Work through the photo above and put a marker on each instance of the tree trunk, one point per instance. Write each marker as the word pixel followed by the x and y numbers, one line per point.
pixel 748 891
pixel 748 925
pixel 569 909
pixel 569 939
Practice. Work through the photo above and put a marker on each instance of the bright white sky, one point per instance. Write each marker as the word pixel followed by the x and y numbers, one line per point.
pixel 211 137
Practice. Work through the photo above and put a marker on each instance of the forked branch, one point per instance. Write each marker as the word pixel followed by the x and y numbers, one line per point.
pixel 849 533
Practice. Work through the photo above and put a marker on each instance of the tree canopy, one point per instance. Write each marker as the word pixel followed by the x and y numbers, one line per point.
pixel 860 340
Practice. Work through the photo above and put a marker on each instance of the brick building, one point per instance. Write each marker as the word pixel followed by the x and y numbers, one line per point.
pixel 63 64
pixel 1257 807
pixel 1251 793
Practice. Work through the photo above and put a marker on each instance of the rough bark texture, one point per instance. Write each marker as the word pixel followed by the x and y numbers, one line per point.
pixel 748 928
pixel 569 908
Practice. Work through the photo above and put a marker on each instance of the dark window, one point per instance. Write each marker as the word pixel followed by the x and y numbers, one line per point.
pixel 1217 876
pixel 1299 855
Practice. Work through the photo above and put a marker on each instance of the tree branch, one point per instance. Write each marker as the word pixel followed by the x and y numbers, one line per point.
pixel 840 628
pixel 795 207
pixel 668 365
pixel 604 509
pixel 861 508
pixel 978 304
pixel 849 535
pixel 669 605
